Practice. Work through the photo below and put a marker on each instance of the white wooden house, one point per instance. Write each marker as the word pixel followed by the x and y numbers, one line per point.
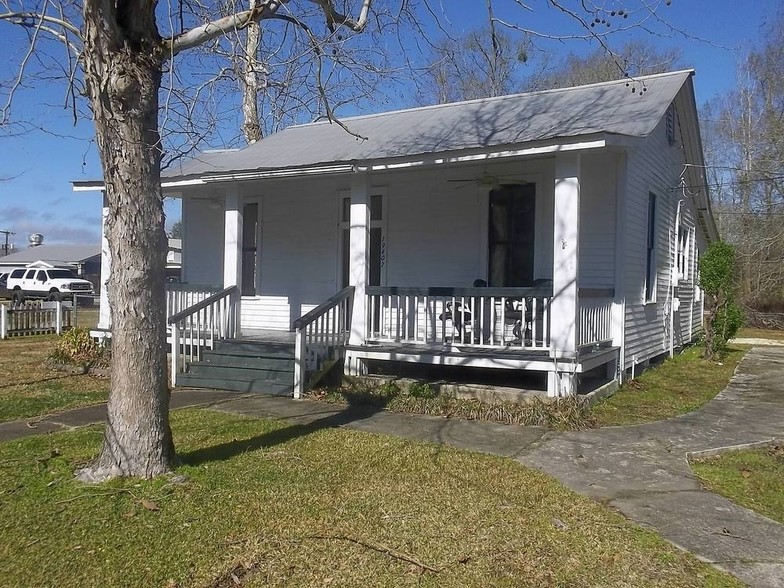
pixel 555 232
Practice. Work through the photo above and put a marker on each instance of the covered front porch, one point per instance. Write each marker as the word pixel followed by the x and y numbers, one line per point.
pixel 401 248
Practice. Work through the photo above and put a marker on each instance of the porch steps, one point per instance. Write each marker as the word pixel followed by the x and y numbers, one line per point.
pixel 244 366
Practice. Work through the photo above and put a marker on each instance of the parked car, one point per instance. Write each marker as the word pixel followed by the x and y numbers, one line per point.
pixel 4 291
pixel 48 283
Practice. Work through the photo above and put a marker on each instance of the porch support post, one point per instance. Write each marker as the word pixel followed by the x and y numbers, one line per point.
pixel 104 312
pixel 564 305
pixel 232 249
pixel 358 257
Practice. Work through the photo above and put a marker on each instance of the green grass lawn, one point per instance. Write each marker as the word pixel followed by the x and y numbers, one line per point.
pixel 281 505
pixel 752 478
pixel 679 385
pixel 28 388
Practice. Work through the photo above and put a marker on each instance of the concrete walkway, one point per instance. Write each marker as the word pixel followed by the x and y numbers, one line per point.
pixel 643 471
pixel 640 470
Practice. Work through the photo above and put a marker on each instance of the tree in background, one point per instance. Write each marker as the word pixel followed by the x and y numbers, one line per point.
pixel 176 230
pixel 724 317
pixel 745 155
pixel 482 63
pixel 634 58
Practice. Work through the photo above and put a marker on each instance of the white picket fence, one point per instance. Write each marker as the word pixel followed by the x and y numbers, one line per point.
pixel 34 318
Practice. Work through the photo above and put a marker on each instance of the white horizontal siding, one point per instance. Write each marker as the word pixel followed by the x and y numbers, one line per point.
pixel 202 242
pixel 597 221
pixel 298 245
pixel 270 312
pixel 654 167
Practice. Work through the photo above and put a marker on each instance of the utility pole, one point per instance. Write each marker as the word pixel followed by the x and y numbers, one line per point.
pixel 7 235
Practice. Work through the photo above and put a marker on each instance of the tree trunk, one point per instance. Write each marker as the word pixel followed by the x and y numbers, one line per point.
pixel 122 65
pixel 251 127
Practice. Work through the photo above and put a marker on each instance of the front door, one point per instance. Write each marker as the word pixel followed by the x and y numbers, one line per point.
pixel 511 235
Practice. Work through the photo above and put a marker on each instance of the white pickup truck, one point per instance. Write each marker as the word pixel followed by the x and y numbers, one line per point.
pixel 49 283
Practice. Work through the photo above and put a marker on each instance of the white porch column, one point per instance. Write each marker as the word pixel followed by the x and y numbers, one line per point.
pixel 232 247
pixel 564 306
pixel 104 312
pixel 358 257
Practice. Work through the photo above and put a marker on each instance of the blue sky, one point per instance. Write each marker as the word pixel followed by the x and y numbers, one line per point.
pixel 36 167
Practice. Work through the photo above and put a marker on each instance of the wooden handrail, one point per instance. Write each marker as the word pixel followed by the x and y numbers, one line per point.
pixel 184 287
pixel 191 310
pixel 331 302
pixel 531 292
pixel 535 292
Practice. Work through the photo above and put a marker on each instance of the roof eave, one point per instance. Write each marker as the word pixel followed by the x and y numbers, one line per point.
pixel 420 160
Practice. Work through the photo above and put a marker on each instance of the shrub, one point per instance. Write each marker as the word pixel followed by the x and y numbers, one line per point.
pixel 716 279
pixel 421 390
pixel 77 347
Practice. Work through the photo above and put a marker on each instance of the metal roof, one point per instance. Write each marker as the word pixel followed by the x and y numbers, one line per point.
pixel 604 108
pixel 53 253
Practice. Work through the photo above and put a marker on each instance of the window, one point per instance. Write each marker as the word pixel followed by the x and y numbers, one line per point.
pixel 16 274
pixel 344 227
pixel 682 259
pixel 41 276
pixel 377 246
pixel 650 256
pixel 30 275
pixel 250 226
pixel 511 236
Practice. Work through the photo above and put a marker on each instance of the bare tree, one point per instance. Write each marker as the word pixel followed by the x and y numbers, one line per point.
pixel 121 55
pixel 745 154
pixel 482 63
pixel 634 58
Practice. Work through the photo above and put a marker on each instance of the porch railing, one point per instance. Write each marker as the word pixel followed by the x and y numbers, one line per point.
pixel 199 326
pixel 182 296
pixel 34 318
pixel 479 317
pixel 320 337
pixel 594 319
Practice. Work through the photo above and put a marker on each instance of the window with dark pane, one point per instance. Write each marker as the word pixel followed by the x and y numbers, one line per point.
pixel 250 226
pixel 511 235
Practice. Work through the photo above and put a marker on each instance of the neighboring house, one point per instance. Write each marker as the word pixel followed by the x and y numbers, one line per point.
pixel 582 210
pixel 85 260
pixel 174 260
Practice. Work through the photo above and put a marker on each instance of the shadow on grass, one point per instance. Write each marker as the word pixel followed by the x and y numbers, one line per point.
pixel 39 380
pixel 224 451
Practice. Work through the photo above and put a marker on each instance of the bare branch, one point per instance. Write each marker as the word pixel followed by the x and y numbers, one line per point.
pixel 217 28
pixel 335 18
pixel 29 19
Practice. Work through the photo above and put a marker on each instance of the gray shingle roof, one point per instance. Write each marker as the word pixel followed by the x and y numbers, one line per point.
pixel 51 253
pixel 608 107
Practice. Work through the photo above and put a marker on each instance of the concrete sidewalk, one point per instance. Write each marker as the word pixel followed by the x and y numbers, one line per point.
pixel 640 470
pixel 96 413
pixel 643 471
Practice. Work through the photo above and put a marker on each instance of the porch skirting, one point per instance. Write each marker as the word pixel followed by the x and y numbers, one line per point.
pixel 509 359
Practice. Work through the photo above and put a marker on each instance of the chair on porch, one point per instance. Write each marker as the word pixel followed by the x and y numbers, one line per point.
pixel 514 308
pixel 519 312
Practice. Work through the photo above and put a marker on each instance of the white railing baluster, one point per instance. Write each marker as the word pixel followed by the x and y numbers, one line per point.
pixel 321 334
